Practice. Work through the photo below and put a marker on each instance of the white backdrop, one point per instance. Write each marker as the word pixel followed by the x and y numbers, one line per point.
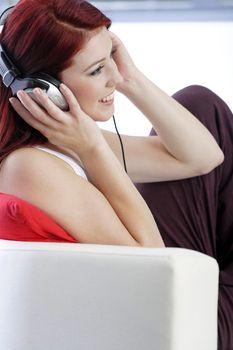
pixel 175 55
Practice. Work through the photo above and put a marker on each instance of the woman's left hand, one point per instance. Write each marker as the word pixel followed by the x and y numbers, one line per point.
pixel 124 62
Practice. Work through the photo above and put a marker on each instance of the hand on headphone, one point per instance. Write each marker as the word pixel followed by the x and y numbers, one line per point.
pixel 123 61
pixel 73 131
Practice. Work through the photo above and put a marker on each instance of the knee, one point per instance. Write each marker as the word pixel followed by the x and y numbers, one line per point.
pixel 201 102
pixel 196 93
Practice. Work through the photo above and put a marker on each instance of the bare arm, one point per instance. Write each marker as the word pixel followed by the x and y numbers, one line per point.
pixel 183 148
pixel 107 175
pixel 111 193
pixel 184 136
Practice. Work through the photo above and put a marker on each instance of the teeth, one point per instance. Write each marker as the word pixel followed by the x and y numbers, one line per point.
pixel 108 98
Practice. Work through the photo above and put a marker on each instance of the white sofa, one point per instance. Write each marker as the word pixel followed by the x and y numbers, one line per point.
pixel 66 296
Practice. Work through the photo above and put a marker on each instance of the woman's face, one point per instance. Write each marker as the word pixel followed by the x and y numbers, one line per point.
pixel 93 76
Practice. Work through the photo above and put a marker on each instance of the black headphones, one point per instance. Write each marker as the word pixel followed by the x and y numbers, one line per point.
pixel 13 78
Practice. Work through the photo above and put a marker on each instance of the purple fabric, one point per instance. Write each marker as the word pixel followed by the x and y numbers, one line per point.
pixel 197 213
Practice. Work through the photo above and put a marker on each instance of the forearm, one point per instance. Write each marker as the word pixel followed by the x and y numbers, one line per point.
pixel 106 173
pixel 181 133
pixel 76 134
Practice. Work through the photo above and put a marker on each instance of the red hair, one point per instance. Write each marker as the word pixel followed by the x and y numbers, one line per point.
pixel 41 36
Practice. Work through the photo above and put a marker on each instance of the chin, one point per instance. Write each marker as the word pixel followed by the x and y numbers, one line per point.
pixel 101 116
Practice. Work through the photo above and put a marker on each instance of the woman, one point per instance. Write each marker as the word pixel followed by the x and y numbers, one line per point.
pixel 43 148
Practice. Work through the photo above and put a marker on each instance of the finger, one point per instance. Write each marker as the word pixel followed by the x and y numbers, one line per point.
pixel 70 98
pixel 112 35
pixel 53 110
pixel 115 40
pixel 36 111
pixel 26 115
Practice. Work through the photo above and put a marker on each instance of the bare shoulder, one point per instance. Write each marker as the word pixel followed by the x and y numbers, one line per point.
pixel 69 199
pixel 30 159
pixel 30 173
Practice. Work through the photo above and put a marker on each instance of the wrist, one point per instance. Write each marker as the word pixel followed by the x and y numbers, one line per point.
pixel 93 151
pixel 132 84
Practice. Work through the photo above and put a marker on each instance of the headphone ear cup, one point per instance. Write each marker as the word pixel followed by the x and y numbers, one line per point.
pixel 12 77
pixel 52 90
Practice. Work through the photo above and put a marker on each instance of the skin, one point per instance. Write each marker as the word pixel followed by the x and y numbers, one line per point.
pixel 116 201
pixel 165 157
pixel 92 82
pixel 120 215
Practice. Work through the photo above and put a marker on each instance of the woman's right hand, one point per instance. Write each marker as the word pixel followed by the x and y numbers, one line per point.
pixel 129 220
pixel 73 132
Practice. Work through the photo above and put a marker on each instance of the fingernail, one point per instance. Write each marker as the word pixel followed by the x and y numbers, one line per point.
pixel 62 86
pixel 38 91
pixel 20 93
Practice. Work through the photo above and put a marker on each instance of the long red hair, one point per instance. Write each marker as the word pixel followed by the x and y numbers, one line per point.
pixel 41 36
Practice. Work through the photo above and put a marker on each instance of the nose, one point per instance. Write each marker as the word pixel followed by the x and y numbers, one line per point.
pixel 114 75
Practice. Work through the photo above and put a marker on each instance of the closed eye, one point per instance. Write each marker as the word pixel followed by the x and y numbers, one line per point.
pixel 97 71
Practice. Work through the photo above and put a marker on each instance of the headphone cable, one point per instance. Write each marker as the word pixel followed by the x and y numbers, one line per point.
pixel 121 143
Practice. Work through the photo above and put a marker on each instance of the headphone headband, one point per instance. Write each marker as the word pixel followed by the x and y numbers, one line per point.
pixel 11 76
pixel 5 14
pixel 8 70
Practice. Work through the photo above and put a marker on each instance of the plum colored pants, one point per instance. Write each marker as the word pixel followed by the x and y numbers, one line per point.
pixel 197 213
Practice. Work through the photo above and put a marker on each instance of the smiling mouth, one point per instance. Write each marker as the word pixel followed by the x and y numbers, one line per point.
pixel 108 99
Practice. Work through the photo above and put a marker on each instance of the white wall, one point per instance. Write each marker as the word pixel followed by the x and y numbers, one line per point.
pixel 175 55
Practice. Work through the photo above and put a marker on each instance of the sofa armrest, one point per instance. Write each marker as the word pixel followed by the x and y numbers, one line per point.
pixel 68 296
